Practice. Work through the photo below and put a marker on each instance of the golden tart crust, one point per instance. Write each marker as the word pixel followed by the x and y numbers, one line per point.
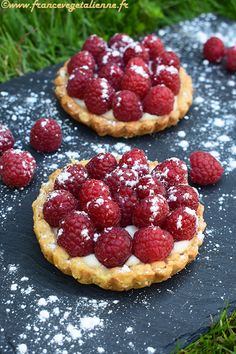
pixel 137 276
pixel 115 128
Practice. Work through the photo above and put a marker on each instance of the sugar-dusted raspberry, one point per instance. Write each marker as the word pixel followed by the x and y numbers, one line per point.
pixel 98 96
pixel 104 213
pixel 100 165
pixel 171 172
pixel 120 41
pixel 121 177
pixel 71 178
pixel 126 198
pixel 214 50
pixel 136 61
pixel 168 76
pixel 148 186
pixel 77 83
pixel 46 135
pixel 182 223
pixel 205 168
pixel 136 80
pixel 127 106
pixel 182 195
pixel 151 244
pixel 159 101
pixel 110 56
pixel 83 60
pixel 154 45
pixel 169 59
pixel 95 45
pixel 57 205
pixel 150 211
pixel 6 138
pixel 76 233
pixel 17 168
pixel 92 189
pixel 113 247
pixel 136 160
pixel 135 49
pixel 113 73
pixel 230 59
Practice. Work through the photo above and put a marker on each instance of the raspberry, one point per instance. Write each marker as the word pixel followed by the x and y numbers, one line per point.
pixel 150 211
pixel 6 139
pixel 113 247
pixel 121 177
pixel 110 56
pixel 46 135
pixel 126 198
pixel 182 195
pixel 159 101
pixel 95 45
pixel 214 50
pixel 76 234
pixel 148 186
pixel 168 76
pixel 17 168
pixel 136 160
pixel 113 73
pixel 169 59
pixel 154 45
pixel 136 80
pixel 71 178
pixel 205 168
pixel 126 106
pixel 135 49
pixel 171 172
pixel 104 213
pixel 182 223
pixel 78 82
pixel 98 96
pixel 138 62
pixel 57 205
pixel 92 189
pixel 83 60
pixel 120 41
pixel 152 244
pixel 230 59
pixel 100 165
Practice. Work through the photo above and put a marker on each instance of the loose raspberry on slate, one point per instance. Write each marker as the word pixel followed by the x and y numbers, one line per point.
pixel 136 160
pixel 6 139
pixel 92 189
pixel 104 213
pixel 136 80
pixel 78 82
pixel 71 178
pixel 182 195
pixel 98 96
pixel 168 76
pixel 46 135
pixel 57 205
pixel 110 56
pixel 152 244
pixel 135 49
pixel 126 198
pixel 113 247
pixel 138 62
pixel 182 223
pixel 159 101
pixel 148 186
pixel 205 168
pixel 76 233
pixel 169 59
pixel 120 41
pixel 230 59
pixel 214 50
pixel 100 165
pixel 83 60
pixel 171 172
pixel 121 177
pixel 127 106
pixel 113 73
pixel 154 45
pixel 17 168
pixel 95 45
pixel 150 211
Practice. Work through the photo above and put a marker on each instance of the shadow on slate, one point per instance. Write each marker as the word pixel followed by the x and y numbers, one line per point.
pixel 177 310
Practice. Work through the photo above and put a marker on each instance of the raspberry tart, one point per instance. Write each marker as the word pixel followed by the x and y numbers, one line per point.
pixel 124 88
pixel 119 223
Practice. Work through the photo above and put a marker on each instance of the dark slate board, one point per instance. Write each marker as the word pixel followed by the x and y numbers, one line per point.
pixel 44 311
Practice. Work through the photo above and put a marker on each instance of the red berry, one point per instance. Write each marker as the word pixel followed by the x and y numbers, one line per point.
pixel 46 135
pixel 120 41
pixel 17 168
pixel 98 96
pixel 113 73
pixel 150 211
pixel 95 45
pixel 136 80
pixel 110 56
pixel 78 82
pixel 134 62
pixel 168 76
pixel 205 168
pixel 159 101
pixel 152 244
pixel 76 234
pixel 71 178
pixel 113 247
pixel 135 49
pixel 148 186
pixel 104 213
pixel 182 195
pixel 126 106
pixel 92 189
pixel 126 198
pixel 214 50
pixel 83 60
pixel 182 223
pixel 57 205
pixel 171 172
pixel 154 45
pixel 121 177
pixel 230 59
pixel 6 139
pixel 169 59
pixel 136 160
pixel 100 165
